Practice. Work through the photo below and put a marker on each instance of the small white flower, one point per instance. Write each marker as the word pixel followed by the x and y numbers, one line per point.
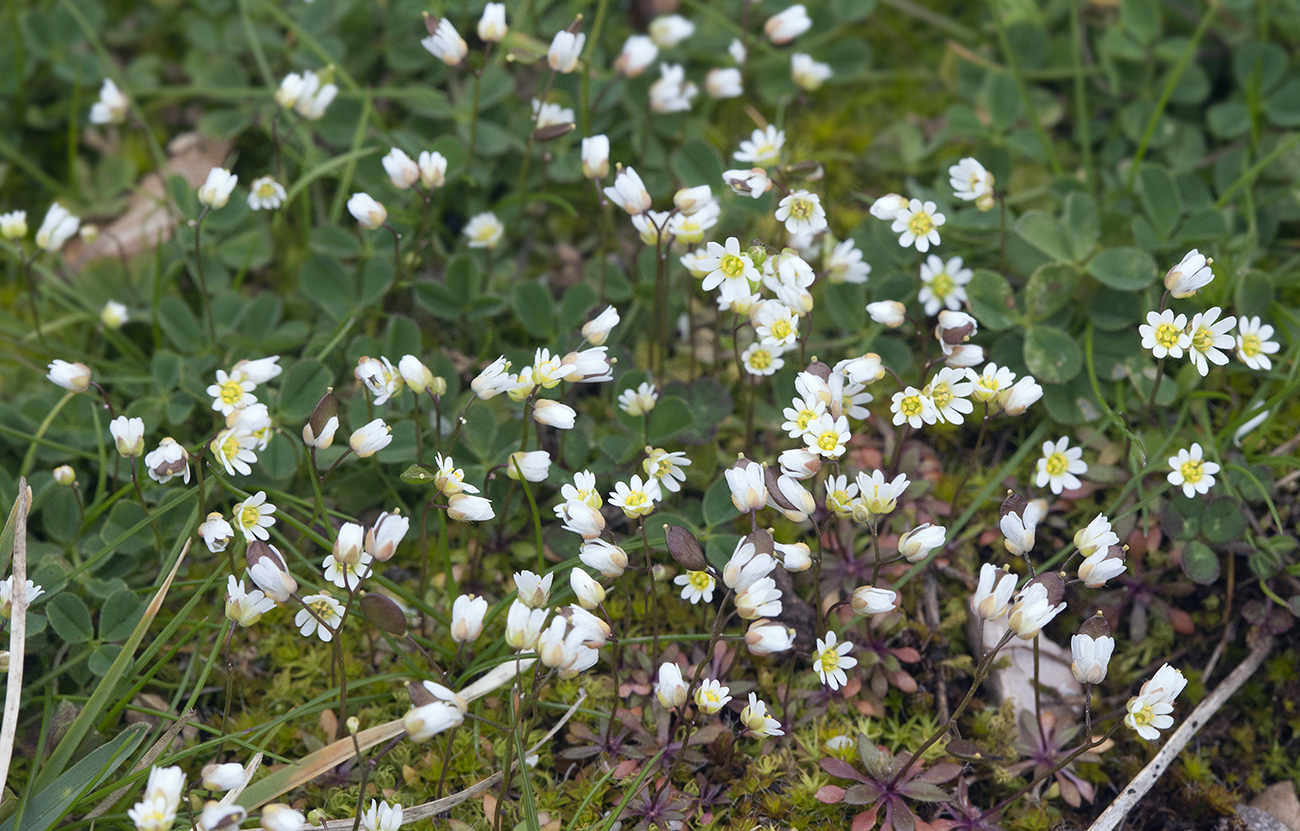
pixel 670 29
pixel 367 211
pixel 280 817
pixel 989 384
pixel 215 192
pixel 724 83
pixel 753 182
pixel 1190 275
pixel 1032 611
pixel 595 157
pixel 747 484
pixel 916 545
pixel 368 440
pixel 1060 466
pixel 802 213
pixel 943 284
pixel 566 48
pixel 832 659
pixel 887 207
pixel 30 593
pixel 73 377
pixel 535 465
pixel 628 192
pixel 949 390
pixel 467 618
pixel 1209 338
pixel 1097 536
pixel 845 265
pixel 671 688
pixel 387 533
pixel 672 93
pixel 1091 656
pixel 1148 711
pixel 382 817
pixel 492 25
pixel 1018 529
pixel 112 105
pixel 1019 396
pixel 913 407
pixel 265 194
pixel 993 594
pixel 788 25
pixel 918 224
pixel 760 359
pixel 128 435
pixel 57 227
pixel 433 169
pixel 596 331
pixel 728 268
pixel 737 51
pixel 638 401
pixel 1191 471
pixel 216 532
pixel 763 148
pixel 711 696
pixel 636 498
pixel 638 53
pixel 1164 334
pixel 466 508
pixel 1255 344
pixel 828 436
pixel 253 516
pixel 550 115
pixel 666 468
pixel 696 586
pixel 168 460
pixel 484 230
pixel 970 181
pixel 347 574
pixel 380 377
pixel 401 169
pixel 807 73
pixel 231 392
pixel 757 721
pixel 1100 567
pixel 446 44
pixel 767 637
pixel 605 557
pixel 223 777
pixel 328 615
pixel 245 608
pixel 13 225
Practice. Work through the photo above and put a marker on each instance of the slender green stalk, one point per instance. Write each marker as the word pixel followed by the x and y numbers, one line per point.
pixel 203 283
pixel 30 455
pixel 1014 63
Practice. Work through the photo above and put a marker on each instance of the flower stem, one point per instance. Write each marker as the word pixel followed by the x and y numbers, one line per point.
pixel 203 283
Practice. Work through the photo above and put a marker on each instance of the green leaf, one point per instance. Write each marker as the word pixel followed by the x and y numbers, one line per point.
pixel 418 475
pixel 535 307
pixel 165 366
pixel 670 416
pixel 578 300
pixel 991 300
pixel 1283 106
pixel 1159 199
pixel 179 324
pixel 1141 18
pixel 1052 355
pixel 1045 233
pixel 697 163
pixel 1259 65
pixel 718 507
pixel 302 388
pixel 1200 563
pixel 1003 99
pixel 1050 288
pixel 119 615
pixel 1223 521
pixel 1127 269
pixel 1254 293
pixel 1083 222
pixel 69 618
pixel 1228 119
pixel 101 660
pixel 325 281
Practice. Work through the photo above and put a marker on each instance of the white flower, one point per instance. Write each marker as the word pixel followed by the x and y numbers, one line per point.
pixel 766 637
pixel 446 44
pixel 492 25
pixel 13 225
pixel 1255 344
pixel 799 463
pixel 802 213
pixel 1018 529
pixel 231 392
pixel 1060 466
pixel 168 460
pixel 801 415
pixel 65 475
pixel 832 659
pixel 380 377
pixel 918 224
pixel 368 440
pixel 111 107
pixel 728 268
pixel 387 533
pixel 326 437
pixel 156 811
pixel 1091 656
pixel 759 359
pixel 417 376
pixel 788 25
pixel 423 723
pixel 808 74
pixel 265 194
pixel 628 192
pixel 1209 338
pixel 581 518
pixel 382 817
pixel 671 688
pixel 1097 536
pixel 672 93
pixel 1148 711
pixel 1017 398
pixel 1191 472
pixel 484 230
pixel 797 556
pixel 776 324
pixel 636 498
pixel 670 29
pixel 280 817
pixel 989 385
pixel 223 777
pixel 790 498
pixel 253 516
pixel 72 377
pixel 763 148
pixel 590 593
pixel 844 265
pixel 524 625
pixel 1164 334
pixel 215 192
pixel 887 207
pixel 970 181
pixel 269 573
pixel 752 182
pixel 467 618
pixel 916 545
pixel 943 284
pixel 550 115
pixel 347 573
pixel 433 169
pixel 367 212
pixel 245 608
pixel 737 51
pixel 328 615
pixel 533 591
pixel 1099 567
pixel 828 436
pixel 595 157
pixel 747 484
pixel 216 532
pixel 534 465
pixel 305 94
pixel 128 435
pixel 757 721
pixel 649 225
pixel 56 228
pixel 711 696
pixel 566 48
pixel 993 594
pixel 948 391
pixel 605 557
pixel 401 169
pixel 596 331
pixel 32 591
pixel 466 508
pixel 1032 611
pixel 493 380
pixel 638 401
pixel 666 468
pixel 869 600
pixel 747 567
pixel 638 53
pixel 696 586
pixel 1190 275
pixel 913 407
pixel 724 83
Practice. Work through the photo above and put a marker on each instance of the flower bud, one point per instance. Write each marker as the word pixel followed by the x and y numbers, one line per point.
pixel 671 689
pixel 223 777
pixel 65 475
pixel 590 593
pixel 869 600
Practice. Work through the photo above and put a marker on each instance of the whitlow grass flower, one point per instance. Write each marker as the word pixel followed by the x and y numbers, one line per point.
pixel 484 230
pixel 402 170
pixel 878 495
pixel 1032 611
pixel 1097 536
pixel 949 390
pixel 828 436
pixel 993 594
pixel 918 224
pixel 802 412
pixel 156 811
pixel 763 147
pixel 13 225
pixel 566 48
pixel 832 659
pixel 802 213
pixel 696 586
pixel 253 516
pixel 1101 566
pixel 1148 711
pixel 1018 529
pixel 433 168
pixel 724 82
pixel 464 507
pixel 446 44
pixel 1165 334
pixel 58 226
pixel 1209 337
pixel 73 377
pixel 671 689
pixel 844 264
pixel 916 544
pixel 807 73
pixel 112 105
pixel 913 407
pixel 168 460
pixel 776 325
pixel 628 192
pixel 245 608
pixel 711 696
pixel 1060 466
pixel 367 211
pixel 380 377
pixel 728 268
pixel 1090 657
pixel 787 25
pixel 492 25
pixel 30 593
pixel 128 435
pixel 636 498
pixel 382 817
pixel 328 615
pixel 368 440
pixel 840 495
pixel 757 721
pixel 666 468
pixel 752 182
pixel 1191 471
pixel 972 183
pixel 1255 344
pixel 760 359
pixel 943 284
pixel 1190 275
pixel 990 383
pixel 265 194
pixel 215 191
pixel 533 465
pixel 347 574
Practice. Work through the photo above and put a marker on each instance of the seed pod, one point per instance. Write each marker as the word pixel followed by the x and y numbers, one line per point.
pixel 762 541
pixel 553 131
pixel 1053 583
pixel 819 369
pixel 384 614
pixel 774 490
pixel 1095 627
pixel 326 408
pixel 1013 504
pixel 431 23
pixel 685 548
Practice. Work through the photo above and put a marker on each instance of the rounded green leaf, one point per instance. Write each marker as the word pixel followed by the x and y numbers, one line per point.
pixel 991 300
pixel 1053 356
pixel 121 612
pixel 69 618
pixel 1223 521
pixel 1050 288
pixel 1126 269
pixel 1200 563
pixel 303 386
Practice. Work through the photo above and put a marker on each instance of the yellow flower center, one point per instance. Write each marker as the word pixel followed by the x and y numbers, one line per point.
pixel 323 610
pixel 910 406
pixel 760 359
pixel 765 150
pixel 664 467
pixel 230 447
pixel 1193 471
pixel 805 416
pixel 710 696
pixel 941 284
pixel 1057 464
pixel 801 209
pixel 1167 335
pixel 828 441
pixel 1144 716
pixel 941 395
pixel 732 265
pixel 1202 340
pixel 248 516
pixel 1250 345
pixel 266 190
pixel 781 329
pixel 830 660
pixel 231 392
pixel 635 499
pixel 920 223
pixel 700 580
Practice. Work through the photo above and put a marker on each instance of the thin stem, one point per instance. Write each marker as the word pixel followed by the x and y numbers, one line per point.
pixel 31 294
pixel 326 474
pixel 473 117
pixel 437 421
pixel 649 590
pixel 1082 749
pixel 140 495
pixel 1155 387
pixel 203 283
